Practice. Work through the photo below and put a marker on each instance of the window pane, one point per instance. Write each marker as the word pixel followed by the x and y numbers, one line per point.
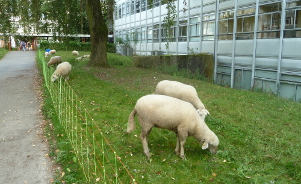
pixel 246 11
pixel 225 37
pixel 244 36
pixel 194 20
pixel 222 26
pixel 143 33
pixel 230 25
pixel 149 33
pixel 289 19
pixel 276 19
pixel 239 25
pixel 194 39
pixel 264 22
pixel 208 37
pixel 211 28
pixel 275 34
pixel 298 19
pixel 183 31
pixel 292 34
pixel 209 17
pixel 270 8
pixel 195 30
pixel 248 24
pixel 227 14
pixel 208 28
pixel 292 4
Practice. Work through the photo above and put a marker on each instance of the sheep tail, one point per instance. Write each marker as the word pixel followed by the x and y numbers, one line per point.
pixel 131 121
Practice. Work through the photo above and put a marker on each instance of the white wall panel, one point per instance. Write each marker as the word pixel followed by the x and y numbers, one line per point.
pixel 208 46
pixel 291 47
pixel 227 60
pixel 291 64
pixel 244 47
pixel 225 47
pixel 243 61
pixel 266 63
pixel 267 47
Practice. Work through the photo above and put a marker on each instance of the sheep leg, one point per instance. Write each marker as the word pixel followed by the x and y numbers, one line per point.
pixel 177 150
pixel 182 135
pixel 144 134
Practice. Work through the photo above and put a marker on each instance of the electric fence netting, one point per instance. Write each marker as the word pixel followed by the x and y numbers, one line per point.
pixel 94 153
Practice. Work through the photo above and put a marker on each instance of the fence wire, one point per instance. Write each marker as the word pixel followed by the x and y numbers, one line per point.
pixel 95 155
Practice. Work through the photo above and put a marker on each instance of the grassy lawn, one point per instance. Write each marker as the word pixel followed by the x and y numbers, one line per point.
pixel 259 133
pixel 2 52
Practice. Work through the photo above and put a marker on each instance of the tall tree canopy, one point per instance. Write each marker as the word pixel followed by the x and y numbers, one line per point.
pixel 64 17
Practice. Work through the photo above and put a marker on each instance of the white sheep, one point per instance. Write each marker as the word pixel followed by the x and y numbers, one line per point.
pixel 79 58
pixel 55 60
pixel 62 70
pixel 173 114
pixel 46 54
pixel 52 51
pixel 75 53
pixel 183 92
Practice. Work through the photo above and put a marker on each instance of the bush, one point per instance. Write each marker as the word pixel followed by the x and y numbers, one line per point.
pixel 2 52
pixel 73 45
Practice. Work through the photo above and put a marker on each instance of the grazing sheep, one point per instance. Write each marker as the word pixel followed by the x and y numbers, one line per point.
pixel 173 114
pixel 52 51
pixel 55 60
pixel 46 54
pixel 75 53
pixel 183 92
pixel 86 56
pixel 62 70
pixel 79 58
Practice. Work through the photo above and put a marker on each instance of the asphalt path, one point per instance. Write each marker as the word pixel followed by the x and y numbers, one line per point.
pixel 23 147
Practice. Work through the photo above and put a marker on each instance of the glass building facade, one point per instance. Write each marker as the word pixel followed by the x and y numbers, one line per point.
pixel 255 43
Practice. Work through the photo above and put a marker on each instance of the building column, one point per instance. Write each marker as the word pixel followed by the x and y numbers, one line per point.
pixel 255 44
pixel 216 37
pixel 234 45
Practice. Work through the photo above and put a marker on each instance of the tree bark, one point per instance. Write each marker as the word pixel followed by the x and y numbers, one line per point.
pixel 98 34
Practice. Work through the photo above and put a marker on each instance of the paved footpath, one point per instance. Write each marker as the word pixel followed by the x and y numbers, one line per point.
pixel 23 149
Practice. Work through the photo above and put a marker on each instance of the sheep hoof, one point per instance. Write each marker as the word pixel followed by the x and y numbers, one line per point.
pixel 149 155
pixel 183 157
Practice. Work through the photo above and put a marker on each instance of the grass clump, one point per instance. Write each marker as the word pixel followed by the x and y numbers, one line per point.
pixel 3 51
pixel 258 132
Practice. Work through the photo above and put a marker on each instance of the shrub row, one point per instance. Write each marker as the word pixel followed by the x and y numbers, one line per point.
pixel 69 46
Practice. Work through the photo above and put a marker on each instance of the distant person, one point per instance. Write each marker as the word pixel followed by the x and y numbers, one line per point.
pixel 23 45
pixel 28 45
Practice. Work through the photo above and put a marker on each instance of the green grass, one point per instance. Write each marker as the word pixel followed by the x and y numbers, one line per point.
pixel 259 133
pixel 2 52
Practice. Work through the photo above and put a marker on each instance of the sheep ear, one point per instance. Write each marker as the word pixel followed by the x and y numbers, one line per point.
pixel 205 145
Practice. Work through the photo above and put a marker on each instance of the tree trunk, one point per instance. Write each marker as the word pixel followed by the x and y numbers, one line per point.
pixel 98 34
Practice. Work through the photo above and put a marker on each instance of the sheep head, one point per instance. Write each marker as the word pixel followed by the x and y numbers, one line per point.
pixel 203 113
pixel 54 77
pixel 210 143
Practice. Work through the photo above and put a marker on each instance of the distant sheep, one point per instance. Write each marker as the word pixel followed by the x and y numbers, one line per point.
pixel 46 54
pixel 79 58
pixel 86 56
pixel 62 70
pixel 183 92
pixel 55 60
pixel 173 114
pixel 75 53
pixel 52 51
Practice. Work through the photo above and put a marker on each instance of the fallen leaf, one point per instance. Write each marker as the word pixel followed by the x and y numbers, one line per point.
pixel 214 174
